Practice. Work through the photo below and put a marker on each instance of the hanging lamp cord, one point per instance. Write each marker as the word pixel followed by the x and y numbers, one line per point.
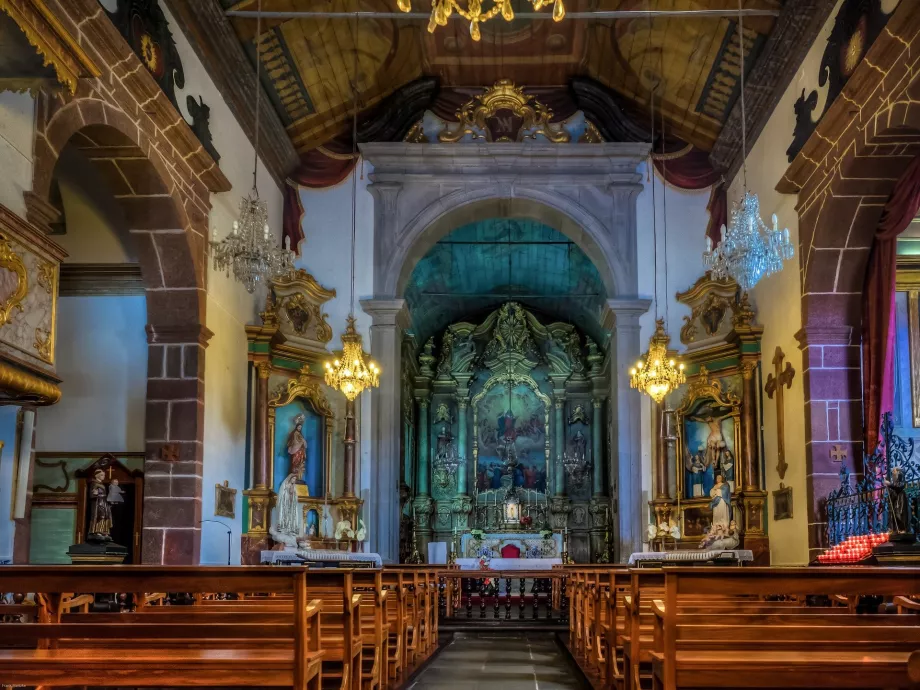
pixel 743 115
pixel 354 157
pixel 255 148
pixel 652 175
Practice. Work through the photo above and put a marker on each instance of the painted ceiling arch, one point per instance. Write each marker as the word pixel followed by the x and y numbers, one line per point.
pixel 478 266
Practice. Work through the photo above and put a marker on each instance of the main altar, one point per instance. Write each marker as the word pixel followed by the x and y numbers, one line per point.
pixel 505 423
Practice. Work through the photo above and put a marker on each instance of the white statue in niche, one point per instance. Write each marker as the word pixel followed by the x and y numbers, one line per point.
pixel 289 525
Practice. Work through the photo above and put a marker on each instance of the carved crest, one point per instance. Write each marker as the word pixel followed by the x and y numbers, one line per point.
pixel 296 308
pixel 716 307
pixel 504 113
pixel 302 386
pixel 14 282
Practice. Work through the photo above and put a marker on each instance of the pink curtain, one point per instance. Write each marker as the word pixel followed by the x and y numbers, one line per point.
pixel 878 302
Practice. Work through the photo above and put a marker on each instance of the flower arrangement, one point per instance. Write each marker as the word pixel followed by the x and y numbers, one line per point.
pixel 546 533
pixel 477 534
pixel 662 531
pixel 526 521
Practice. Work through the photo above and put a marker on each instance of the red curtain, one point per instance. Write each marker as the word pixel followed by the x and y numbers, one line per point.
pixel 718 212
pixel 689 171
pixel 878 302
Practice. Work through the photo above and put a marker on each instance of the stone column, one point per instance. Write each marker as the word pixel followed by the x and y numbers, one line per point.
pixel 349 448
pixel 626 469
pixel 559 404
pixel 462 407
pixel 383 499
pixel 597 446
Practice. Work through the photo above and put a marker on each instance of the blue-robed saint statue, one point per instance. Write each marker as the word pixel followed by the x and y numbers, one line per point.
pixel 721 504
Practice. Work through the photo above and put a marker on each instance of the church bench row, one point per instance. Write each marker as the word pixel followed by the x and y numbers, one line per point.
pixel 612 621
pixel 188 649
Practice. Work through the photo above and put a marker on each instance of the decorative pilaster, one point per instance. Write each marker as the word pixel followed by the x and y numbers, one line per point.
pixel 462 508
pixel 424 453
pixel 389 316
pixel 423 510
pixel 349 448
pixel 600 529
pixel 626 466
pixel 462 408
pixel 559 405
pixel 752 497
pixel 597 447
pixel 260 496
pixel 559 508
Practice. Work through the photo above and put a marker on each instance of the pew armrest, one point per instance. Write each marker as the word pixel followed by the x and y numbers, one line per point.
pixel 913 667
pixel 313 610
pixel 907 603
pixel 658 608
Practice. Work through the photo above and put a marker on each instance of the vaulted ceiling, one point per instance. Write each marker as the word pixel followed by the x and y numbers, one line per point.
pixel 312 76
pixel 479 266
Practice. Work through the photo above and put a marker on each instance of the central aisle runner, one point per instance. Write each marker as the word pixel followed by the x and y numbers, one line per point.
pixel 490 661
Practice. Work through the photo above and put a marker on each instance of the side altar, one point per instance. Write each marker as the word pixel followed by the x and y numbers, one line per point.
pixel 302 490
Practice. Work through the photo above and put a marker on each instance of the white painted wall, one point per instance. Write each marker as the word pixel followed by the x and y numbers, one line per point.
pixel 7 465
pixel 229 308
pixel 682 255
pixel 17 126
pixel 778 299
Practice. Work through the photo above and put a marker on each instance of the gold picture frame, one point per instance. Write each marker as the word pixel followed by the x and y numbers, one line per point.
pixel 224 500
pixel 782 503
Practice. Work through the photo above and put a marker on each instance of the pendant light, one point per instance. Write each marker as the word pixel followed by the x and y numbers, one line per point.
pixel 748 250
pixel 249 251
pixel 656 373
pixel 352 371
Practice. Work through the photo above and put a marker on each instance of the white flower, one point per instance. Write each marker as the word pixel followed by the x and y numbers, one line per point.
pixel 652 532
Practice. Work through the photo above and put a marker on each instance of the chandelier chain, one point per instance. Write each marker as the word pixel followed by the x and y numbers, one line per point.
pixel 255 152
pixel 743 113
pixel 354 157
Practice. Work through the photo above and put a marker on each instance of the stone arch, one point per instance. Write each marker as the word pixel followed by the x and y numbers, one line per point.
pixel 460 208
pixel 167 221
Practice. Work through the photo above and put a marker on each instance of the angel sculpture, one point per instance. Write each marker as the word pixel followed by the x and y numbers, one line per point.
pixel 361 533
pixel 343 530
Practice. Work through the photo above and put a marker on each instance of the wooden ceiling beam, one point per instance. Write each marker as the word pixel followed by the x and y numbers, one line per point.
pixel 797 27
pixel 217 46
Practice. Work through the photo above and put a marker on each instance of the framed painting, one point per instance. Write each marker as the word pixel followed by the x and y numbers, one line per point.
pixel 782 503
pixel 510 414
pixel 708 451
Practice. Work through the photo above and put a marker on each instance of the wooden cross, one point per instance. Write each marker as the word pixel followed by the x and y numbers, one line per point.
pixel 774 387
pixel 111 469
pixel 838 453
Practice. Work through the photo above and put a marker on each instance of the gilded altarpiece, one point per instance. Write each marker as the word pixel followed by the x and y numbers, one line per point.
pixel 298 485
pixel 711 469
pixel 500 403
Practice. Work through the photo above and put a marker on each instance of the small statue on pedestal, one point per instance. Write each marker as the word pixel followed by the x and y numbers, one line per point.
pixel 100 524
pixel 898 507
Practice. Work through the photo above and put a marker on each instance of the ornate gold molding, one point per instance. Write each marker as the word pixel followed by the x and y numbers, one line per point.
pixel 11 261
pixel 505 96
pixel 26 387
pixel 47 34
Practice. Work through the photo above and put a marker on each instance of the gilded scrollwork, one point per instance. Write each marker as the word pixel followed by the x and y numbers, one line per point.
pixel 504 96
pixel 302 386
pixel 46 274
pixel 43 344
pixel 14 287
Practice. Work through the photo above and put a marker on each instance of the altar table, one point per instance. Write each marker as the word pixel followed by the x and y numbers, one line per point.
pixel 494 542
pixel 693 556
pixel 510 563
pixel 274 557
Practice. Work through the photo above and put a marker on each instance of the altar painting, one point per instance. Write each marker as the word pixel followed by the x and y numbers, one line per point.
pixel 298 446
pixel 516 417
pixel 709 448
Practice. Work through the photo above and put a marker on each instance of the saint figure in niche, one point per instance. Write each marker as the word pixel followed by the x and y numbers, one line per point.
pixel 506 430
pixel 579 444
pixel 297 449
pixel 721 503
pixel 100 524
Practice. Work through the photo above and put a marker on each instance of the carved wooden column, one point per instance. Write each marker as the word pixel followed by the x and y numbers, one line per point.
pixel 559 404
pixel 259 496
pixel 462 408
pixel 349 448
pixel 752 495
pixel 597 447
pixel 424 455
pixel 660 450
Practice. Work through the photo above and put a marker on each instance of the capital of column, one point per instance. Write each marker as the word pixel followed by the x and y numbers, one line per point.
pixel 559 402
pixel 265 369
pixel 386 311
pixel 626 312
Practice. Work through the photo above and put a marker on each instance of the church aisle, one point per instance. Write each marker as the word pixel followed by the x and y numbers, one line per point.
pixel 508 662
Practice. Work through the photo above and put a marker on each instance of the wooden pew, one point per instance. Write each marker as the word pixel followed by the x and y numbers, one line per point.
pixel 184 649
pixel 397 623
pixel 796 647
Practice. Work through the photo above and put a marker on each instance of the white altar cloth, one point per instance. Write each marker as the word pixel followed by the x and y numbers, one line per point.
pixel 494 542
pixel 692 556
pixel 510 563
pixel 320 555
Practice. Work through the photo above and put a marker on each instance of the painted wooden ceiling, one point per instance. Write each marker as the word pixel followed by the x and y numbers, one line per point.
pixel 479 266
pixel 692 63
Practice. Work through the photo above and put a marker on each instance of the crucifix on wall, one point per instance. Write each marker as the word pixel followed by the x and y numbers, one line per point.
pixel 782 377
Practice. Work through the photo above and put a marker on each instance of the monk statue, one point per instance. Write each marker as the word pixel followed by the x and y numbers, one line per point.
pixel 898 506
pixel 100 523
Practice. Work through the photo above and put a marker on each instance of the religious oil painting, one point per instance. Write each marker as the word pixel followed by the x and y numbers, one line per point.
pixel 709 449
pixel 298 447
pixel 511 423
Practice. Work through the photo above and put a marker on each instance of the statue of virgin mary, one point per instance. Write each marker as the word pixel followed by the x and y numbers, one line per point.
pixel 288 527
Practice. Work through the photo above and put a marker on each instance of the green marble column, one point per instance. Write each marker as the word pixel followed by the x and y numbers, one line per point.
pixel 424 459
pixel 462 407
pixel 597 447
pixel 560 445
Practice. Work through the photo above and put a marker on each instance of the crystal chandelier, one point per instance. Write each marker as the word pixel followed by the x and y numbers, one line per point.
pixel 448 460
pixel 441 11
pixel 656 374
pixel 349 373
pixel 749 250
pixel 249 251
pixel 576 465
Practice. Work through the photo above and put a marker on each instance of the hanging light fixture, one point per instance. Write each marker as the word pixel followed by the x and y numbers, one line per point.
pixel 249 250
pixel 352 371
pixel 656 373
pixel 749 250
pixel 441 11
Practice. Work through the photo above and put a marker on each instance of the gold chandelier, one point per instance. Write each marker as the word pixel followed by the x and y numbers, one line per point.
pixel 656 374
pixel 350 373
pixel 441 11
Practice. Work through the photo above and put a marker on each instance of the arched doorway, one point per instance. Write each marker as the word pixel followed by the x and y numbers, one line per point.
pixel 586 193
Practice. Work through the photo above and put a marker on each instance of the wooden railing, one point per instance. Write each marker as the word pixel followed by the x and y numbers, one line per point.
pixel 503 595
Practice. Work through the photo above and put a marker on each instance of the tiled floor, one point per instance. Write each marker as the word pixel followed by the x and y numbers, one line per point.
pixel 487 661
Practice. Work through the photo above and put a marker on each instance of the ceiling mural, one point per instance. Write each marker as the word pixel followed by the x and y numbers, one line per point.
pixel 692 64
pixel 481 265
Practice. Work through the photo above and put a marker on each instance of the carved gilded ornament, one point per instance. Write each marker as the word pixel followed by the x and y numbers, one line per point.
pixel 710 302
pixel 43 344
pixel 54 43
pixel 28 387
pixel 504 97
pixel 303 386
pixel 14 287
